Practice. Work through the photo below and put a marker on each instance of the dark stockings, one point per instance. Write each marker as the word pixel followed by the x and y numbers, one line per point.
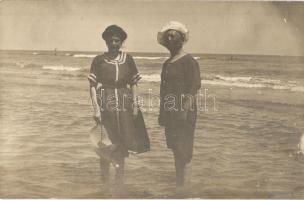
pixel 179 167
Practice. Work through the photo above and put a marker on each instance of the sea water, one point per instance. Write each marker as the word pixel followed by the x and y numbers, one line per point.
pixel 246 142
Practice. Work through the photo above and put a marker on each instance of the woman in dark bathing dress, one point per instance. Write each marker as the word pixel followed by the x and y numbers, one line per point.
pixel 117 110
pixel 180 81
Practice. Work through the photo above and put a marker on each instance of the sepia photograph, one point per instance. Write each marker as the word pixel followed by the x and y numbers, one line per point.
pixel 151 99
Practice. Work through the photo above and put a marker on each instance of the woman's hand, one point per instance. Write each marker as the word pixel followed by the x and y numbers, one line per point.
pixel 97 117
pixel 96 112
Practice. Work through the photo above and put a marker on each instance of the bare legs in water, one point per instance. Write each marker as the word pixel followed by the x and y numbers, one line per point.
pixel 180 166
pixel 105 171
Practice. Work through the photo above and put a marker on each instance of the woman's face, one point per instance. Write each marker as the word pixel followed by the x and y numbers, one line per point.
pixel 114 43
pixel 173 40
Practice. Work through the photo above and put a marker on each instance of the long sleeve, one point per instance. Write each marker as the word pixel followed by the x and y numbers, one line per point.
pixel 134 75
pixel 92 77
pixel 192 82
pixel 192 76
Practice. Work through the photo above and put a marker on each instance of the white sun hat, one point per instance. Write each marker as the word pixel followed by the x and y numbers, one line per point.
pixel 172 25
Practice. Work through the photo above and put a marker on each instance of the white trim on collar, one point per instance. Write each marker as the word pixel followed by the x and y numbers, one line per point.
pixel 120 60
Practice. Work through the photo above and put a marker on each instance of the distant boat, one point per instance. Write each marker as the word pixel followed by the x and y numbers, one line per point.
pixel 55 51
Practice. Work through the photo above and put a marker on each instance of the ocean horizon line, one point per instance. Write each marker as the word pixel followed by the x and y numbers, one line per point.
pixel 147 52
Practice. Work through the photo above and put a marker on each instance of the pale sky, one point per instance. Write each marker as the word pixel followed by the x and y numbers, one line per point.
pixel 215 27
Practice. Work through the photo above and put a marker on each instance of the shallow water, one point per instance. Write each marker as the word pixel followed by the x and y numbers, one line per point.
pixel 246 148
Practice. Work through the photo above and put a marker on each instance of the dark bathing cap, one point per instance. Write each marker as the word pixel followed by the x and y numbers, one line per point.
pixel 114 30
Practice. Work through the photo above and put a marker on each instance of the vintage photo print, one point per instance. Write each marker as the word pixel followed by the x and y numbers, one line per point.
pixel 161 99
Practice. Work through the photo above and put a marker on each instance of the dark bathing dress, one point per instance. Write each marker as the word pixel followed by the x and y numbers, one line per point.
pixel 181 77
pixel 117 102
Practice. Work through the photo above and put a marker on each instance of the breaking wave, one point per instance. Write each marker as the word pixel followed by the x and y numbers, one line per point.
pixel 244 82
pixel 61 68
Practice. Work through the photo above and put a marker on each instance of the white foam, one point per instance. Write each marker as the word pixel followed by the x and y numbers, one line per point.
pixel 233 84
pixel 234 79
pixel 243 82
pixel 301 144
pixel 35 53
pixel 151 77
pixel 268 81
pixel 280 87
pixel 84 56
pixel 21 65
pixel 297 89
pixel 61 68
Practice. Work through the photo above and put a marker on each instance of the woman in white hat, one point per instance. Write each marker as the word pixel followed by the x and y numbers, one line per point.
pixel 180 81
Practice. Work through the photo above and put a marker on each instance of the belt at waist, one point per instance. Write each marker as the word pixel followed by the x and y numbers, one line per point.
pixel 114 85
